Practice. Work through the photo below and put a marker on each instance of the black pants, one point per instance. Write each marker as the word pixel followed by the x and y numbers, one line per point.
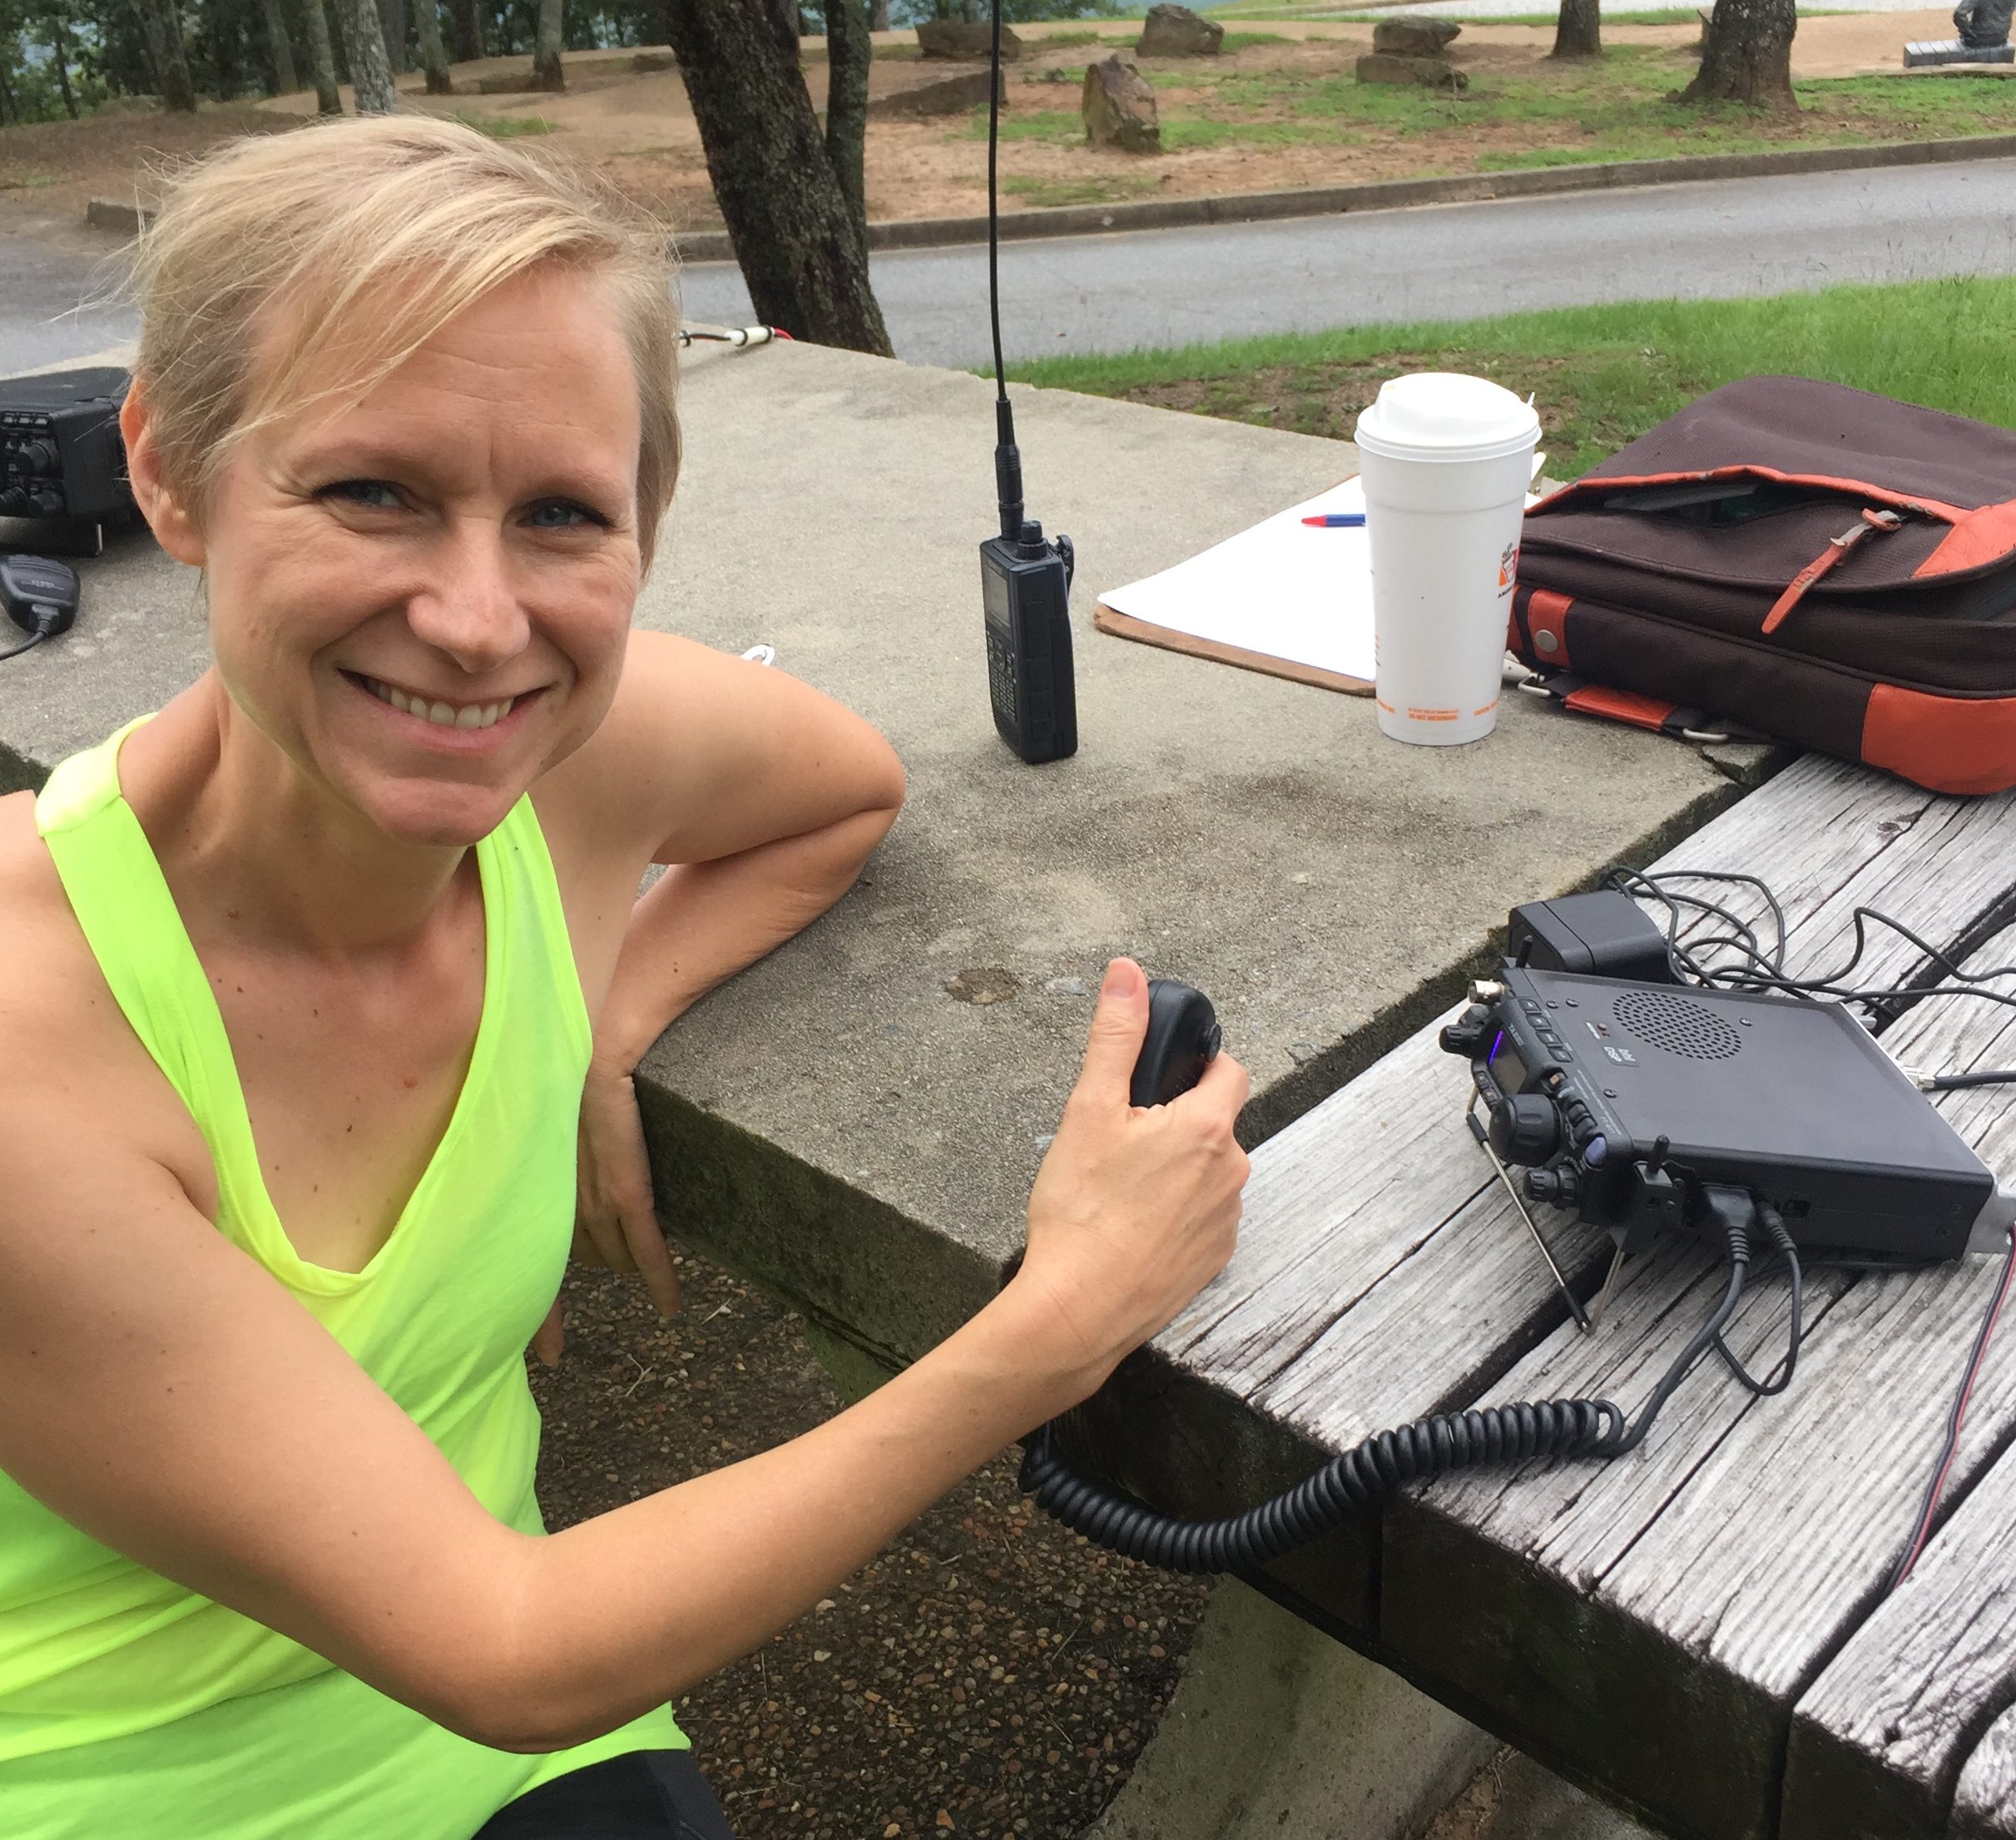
pixel 645 1795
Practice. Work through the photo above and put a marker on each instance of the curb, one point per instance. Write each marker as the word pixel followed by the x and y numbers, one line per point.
pixel 1251 207
pixel 713 245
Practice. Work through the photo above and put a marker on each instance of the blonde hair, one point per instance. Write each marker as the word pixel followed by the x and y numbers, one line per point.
pixel 409 219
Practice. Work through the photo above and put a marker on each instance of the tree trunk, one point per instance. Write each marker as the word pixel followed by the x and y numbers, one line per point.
pixel 285 80
pixel 10 110
pixel 321 58
pixel 434 55
pixel 61 46
pixel 467 20
pixel 363 43
pixel 1578 32
pixel 546 71
pixel 1746 56
pixel 878 17
pixel 392 16
pixel 164 35
pixel 848 51
pixel 801 252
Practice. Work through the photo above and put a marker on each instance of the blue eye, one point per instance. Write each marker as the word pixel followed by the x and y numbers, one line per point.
pixel 371 494
pixel 562 514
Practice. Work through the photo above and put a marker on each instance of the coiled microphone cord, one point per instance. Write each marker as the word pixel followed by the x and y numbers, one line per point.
pixel 1384 1463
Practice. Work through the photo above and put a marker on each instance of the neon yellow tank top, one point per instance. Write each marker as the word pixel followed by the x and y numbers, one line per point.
pixel 131 1707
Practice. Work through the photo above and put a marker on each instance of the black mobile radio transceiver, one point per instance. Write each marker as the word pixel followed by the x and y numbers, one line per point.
pixel 61 452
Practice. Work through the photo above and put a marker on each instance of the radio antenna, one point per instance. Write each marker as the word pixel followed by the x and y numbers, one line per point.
pixel 1007 459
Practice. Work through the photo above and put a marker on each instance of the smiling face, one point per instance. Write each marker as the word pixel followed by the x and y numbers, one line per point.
pixel 422 600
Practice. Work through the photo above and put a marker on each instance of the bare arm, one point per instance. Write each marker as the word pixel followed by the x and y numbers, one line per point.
pixel 167 1397
pixel 764 795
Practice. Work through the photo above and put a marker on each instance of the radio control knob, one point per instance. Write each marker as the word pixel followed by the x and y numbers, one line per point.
pixel 1467 1034
pixel 1526 1128
pixel 36 457
pixel 1560 1187
pixel 49 503
pixel 14 503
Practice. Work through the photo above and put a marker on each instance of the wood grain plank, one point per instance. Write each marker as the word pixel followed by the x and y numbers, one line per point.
pixel 1984 1800
pixel 1708 1577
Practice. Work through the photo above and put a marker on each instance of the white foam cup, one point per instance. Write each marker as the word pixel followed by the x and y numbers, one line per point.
pixel 1446 460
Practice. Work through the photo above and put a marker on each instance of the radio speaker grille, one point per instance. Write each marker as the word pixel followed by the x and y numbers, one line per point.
pixel 1679 1027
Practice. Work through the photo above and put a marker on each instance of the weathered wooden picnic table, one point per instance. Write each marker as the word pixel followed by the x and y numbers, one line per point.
pixel 1698 1631
pixel 1694 1631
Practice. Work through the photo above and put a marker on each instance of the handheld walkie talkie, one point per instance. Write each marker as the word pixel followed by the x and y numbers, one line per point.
pixel 1025 582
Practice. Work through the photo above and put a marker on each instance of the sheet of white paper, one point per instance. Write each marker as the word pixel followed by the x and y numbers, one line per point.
pixel 1284 589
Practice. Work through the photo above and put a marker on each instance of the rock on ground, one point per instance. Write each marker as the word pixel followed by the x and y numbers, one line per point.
pixel 943 95
pixel 1176 32
pixel 1119 108
pixel 1436 72
pixel 1414 38
pixel 958 38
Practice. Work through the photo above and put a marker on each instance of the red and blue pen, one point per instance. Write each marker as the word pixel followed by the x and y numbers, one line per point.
pixel 1337 520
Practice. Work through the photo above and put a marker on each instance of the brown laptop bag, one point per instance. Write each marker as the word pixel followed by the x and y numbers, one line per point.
pixel 1801 560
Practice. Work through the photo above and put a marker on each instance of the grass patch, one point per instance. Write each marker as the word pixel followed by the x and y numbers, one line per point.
pixel 1049 38
pixel 25 182
pixel 1104 190
pixel 508 127
pixel 1619 106
pixel 1601 375
pixel 1245 41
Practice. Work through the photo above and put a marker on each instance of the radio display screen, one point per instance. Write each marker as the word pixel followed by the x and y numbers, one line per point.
pixel 1507 1069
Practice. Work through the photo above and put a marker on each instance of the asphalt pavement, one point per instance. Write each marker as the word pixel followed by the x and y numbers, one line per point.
pixel 1719 239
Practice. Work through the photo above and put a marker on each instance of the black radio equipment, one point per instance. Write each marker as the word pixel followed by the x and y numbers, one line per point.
pixel 61 452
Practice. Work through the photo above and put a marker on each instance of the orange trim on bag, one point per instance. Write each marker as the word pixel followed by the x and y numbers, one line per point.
pixel 1951 744
pixel 1859 488
pixel 1987 535
pixel 1620 706
pixel 1547 612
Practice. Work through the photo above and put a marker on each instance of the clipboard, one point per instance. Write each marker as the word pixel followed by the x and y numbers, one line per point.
pixel 1282 598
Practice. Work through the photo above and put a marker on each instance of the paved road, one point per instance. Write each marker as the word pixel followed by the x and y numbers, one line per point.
pixel 1092 294
pixel 1732 238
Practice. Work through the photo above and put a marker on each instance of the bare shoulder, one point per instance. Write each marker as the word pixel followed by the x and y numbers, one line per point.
pixel 675 694
pixel 61 1031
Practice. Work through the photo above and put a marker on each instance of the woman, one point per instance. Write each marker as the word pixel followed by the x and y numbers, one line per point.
pixel 312 980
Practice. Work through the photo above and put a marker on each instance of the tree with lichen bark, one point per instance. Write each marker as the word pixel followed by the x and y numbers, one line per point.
pixel 1746 55
pixel 434 54
pixel 849 52
pixel 163 31
pixel 363 43
pixel 1579 30
pixel 802 249
pixel 279 47
pixel 546 71
pixel 321 58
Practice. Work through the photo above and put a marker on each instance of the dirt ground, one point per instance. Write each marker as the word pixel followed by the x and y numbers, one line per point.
pixel 989 1674
pixel 639 129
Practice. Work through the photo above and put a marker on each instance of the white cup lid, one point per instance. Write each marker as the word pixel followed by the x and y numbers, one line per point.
pixel 1443 415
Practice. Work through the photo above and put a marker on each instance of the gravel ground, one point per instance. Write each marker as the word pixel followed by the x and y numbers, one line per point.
pixel 988 1673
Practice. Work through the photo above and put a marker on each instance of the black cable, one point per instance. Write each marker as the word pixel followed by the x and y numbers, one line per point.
pixel 1921 1528
pixel 1959 1083
pixel 1773 1223
pixel 45 629
pixel 1372 1470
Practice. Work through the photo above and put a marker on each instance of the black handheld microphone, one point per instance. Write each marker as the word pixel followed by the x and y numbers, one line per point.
pixel 1025 582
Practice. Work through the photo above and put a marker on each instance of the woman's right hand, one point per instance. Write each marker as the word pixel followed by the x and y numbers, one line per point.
pixel 1135 1208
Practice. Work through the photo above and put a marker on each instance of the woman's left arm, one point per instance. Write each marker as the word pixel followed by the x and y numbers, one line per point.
pixel 764 799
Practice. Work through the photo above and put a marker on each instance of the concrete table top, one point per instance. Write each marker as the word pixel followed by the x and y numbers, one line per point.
pixel 842 1122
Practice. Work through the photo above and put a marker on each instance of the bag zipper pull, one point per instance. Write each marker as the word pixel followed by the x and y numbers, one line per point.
pixel 1835 552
